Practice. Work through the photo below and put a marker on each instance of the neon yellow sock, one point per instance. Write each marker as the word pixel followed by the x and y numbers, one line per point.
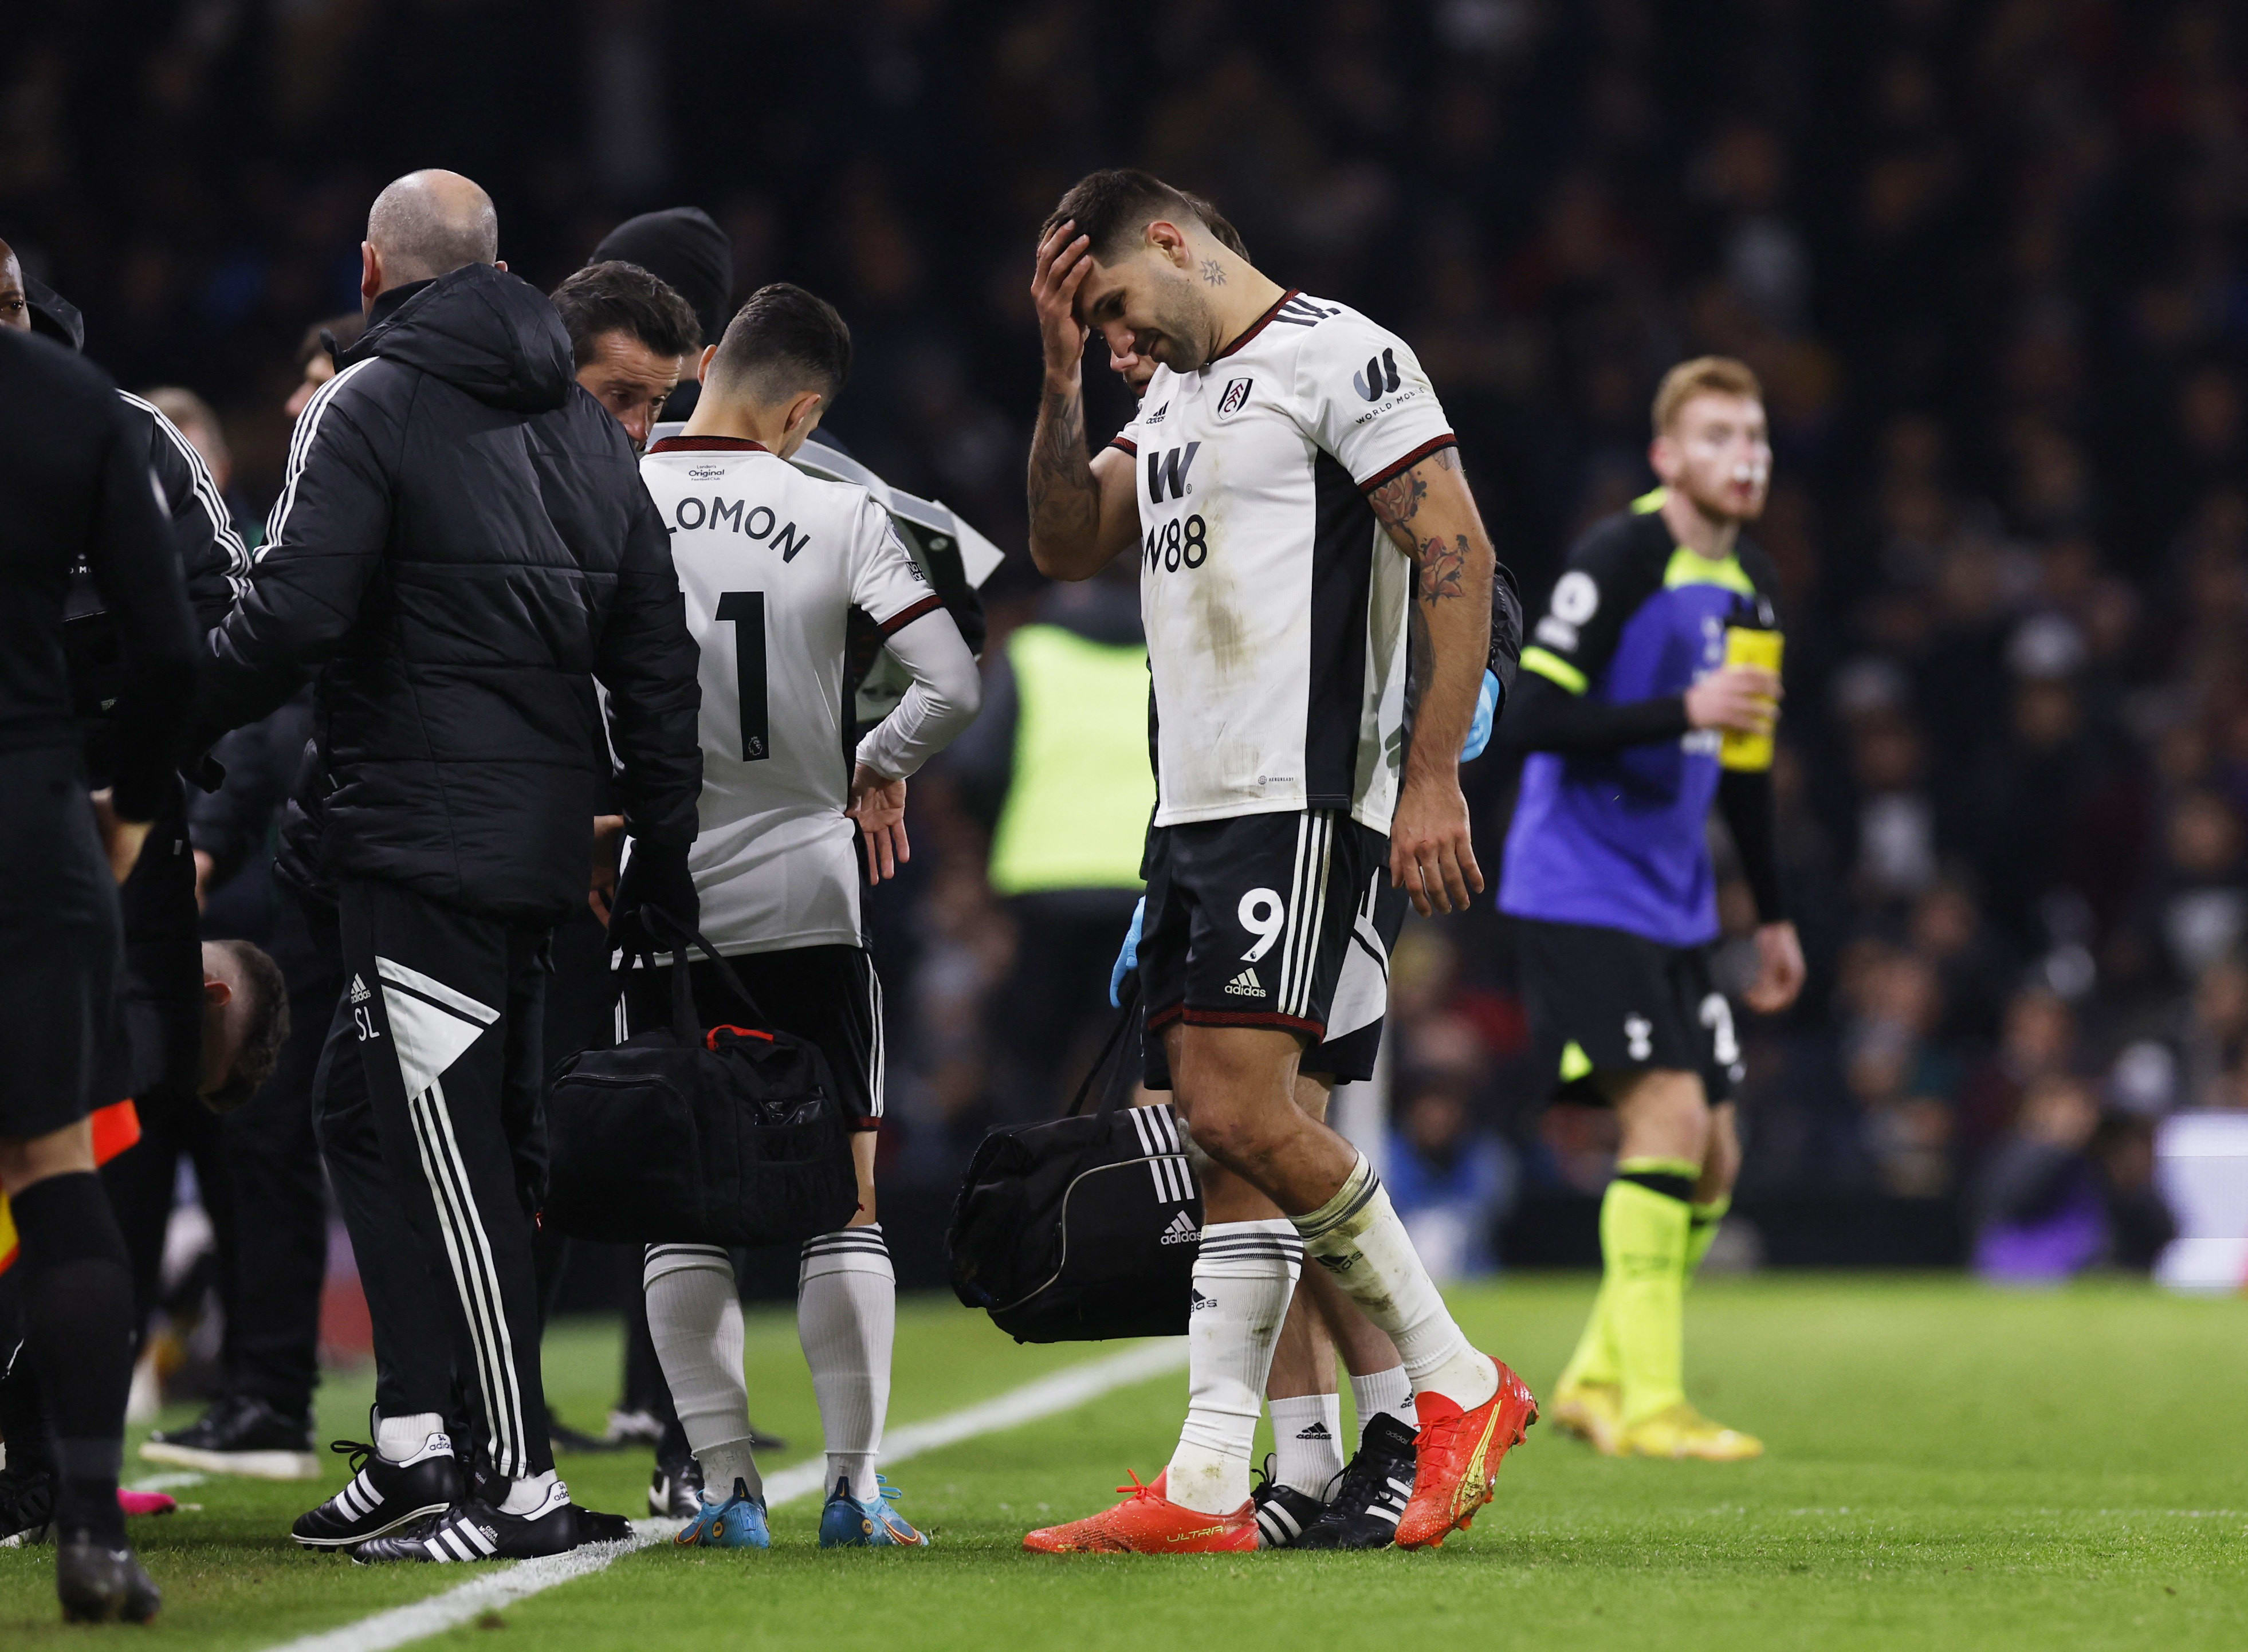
pixel 1595 1361
pixel 1644 1220
pixel 1703 1232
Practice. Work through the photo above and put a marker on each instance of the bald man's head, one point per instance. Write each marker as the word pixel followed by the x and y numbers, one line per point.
pixel 427 224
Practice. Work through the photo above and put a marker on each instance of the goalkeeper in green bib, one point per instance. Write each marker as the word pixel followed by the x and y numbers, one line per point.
pixel 1648 695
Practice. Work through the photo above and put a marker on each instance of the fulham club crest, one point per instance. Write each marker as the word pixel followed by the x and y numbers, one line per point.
pixel 1236 396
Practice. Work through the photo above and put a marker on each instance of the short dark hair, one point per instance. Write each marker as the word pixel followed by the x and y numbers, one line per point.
pixel 785 340
pixel 1220 227
pixel 1114 206
pixel 617 296
pixel 262 1033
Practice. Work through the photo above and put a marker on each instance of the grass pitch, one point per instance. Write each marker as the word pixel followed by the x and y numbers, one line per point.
pixel 1950 1466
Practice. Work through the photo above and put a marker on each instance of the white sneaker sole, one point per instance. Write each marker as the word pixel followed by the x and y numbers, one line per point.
pixel 256 1465
pixel 358 1538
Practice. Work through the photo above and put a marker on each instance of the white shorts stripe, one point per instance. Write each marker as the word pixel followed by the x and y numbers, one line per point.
pixel 1315 919
pixel 1295 910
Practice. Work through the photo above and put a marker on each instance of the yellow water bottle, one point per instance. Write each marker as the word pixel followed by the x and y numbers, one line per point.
pixel 1749 645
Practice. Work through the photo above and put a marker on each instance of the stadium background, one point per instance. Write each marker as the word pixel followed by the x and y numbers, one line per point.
pixel 1988 258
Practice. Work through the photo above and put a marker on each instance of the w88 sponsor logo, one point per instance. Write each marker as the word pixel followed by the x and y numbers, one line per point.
pixel 1175 545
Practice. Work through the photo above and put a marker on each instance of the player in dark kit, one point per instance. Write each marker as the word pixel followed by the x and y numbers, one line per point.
pixel 1649 692
pixel 75 486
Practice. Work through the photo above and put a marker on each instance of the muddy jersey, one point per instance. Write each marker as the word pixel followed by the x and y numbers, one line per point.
pixel 1275 604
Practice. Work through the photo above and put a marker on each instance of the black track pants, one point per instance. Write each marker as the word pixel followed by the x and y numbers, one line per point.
pixel 429 1122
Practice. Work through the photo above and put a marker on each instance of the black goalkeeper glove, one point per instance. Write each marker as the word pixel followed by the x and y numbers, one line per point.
pixel 655 882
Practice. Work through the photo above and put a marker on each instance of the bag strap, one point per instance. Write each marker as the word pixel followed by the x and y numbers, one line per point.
pixel 1128 1017
pixel 686 1025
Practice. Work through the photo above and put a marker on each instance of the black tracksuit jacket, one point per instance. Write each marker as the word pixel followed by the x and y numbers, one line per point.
pixel 462 548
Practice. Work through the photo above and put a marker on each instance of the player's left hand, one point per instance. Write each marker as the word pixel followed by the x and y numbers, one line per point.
pixel 121 839
pixel 608 841
pixel 878 804
pixel 1779 970
pixel 1431 850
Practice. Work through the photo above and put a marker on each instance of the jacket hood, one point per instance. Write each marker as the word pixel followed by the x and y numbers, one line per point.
pixel 482 331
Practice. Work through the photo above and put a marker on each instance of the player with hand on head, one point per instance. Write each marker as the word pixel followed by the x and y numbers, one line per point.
pixel 1308 1497
pixel 1650 691
pixel 1294 495
pixel 773 562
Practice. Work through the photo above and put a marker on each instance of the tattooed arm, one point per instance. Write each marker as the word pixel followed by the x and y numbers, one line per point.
pixel 1431 517
pixel 1083 510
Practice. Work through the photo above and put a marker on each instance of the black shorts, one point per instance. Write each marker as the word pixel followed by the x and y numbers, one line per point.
pixel 61 947
pixel 828 996
pixel 1605 1001
pixel 1250 921
pixel 1347 1053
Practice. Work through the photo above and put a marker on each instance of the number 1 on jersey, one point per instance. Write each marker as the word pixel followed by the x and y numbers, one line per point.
pixel 746 611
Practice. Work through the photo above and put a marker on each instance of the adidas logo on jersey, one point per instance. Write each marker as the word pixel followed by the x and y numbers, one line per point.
pixel 1246 985
pixel 1181 1231
pixel 1317 1431
pixel 359 993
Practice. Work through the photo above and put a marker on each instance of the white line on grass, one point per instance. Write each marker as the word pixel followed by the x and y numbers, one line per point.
pixel 1064 1390
pixel 178 1482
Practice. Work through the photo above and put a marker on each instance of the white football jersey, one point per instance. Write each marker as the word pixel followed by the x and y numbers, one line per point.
pixel 1275 604
pixel 771 561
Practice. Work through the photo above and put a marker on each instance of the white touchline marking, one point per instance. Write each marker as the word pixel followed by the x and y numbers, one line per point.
pixel 1064 1390
pixel 167 1482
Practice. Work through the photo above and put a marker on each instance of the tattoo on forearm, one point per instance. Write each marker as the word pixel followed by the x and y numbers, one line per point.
pixel 1444 569
pixel 1065 498
pixel 1213 273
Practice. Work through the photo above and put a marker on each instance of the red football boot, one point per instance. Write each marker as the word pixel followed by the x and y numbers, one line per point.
pixel 1146 1522
pixel 1458 1457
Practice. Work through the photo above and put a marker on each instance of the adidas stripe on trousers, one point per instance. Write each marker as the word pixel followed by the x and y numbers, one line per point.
pixel 427 1111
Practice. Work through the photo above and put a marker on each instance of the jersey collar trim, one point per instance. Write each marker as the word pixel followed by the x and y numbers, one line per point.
pixel 708 445
pixel 1260 324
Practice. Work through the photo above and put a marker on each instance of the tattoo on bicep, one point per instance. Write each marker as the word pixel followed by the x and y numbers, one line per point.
pixel 1444 569
pixel 1213 273
pixel 1398 500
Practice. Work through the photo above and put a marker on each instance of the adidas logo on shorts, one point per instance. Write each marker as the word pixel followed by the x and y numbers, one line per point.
pixel 359 993
pixel 1246 985
pixel 1181 1231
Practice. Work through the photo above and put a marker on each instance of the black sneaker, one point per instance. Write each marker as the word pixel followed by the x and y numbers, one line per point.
pixel 27 1506
pixel 98 1584
pixel 473 1529
pixel 594 1526
pixel 381 1497
pixel 1284 1513
pixel 675 1490
pixel 240 1435
pixel 1372 1493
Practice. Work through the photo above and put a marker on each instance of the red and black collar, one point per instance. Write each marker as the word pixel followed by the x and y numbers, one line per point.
pixel 1260 324
pixel 708 445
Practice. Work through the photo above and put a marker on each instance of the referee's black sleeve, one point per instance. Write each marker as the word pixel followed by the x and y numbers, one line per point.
pixel 135 565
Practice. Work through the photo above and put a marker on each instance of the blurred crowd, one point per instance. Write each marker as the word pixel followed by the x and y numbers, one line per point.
pixel 1988 260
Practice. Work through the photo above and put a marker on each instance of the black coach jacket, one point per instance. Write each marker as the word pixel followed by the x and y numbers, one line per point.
pixel 462 546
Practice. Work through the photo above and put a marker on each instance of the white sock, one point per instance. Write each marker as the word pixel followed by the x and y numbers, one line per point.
pixel 695 1320
pixel 533 1493
pixel 399 1439
pixel 1243 1277
pixel 1307 1441
pixel 1384 1393
pixel 1357 1237
pixel 847 1317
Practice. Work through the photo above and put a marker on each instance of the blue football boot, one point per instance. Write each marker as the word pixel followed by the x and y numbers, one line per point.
pixel 846 1523
pixel 738 1523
